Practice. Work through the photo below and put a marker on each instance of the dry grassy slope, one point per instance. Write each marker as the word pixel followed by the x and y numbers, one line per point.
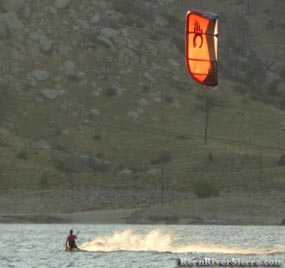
pixel 132 143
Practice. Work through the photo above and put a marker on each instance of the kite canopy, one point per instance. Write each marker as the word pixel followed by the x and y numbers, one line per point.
pixel 202 46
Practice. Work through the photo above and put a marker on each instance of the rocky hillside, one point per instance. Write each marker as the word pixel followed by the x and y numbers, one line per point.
pixel 97 93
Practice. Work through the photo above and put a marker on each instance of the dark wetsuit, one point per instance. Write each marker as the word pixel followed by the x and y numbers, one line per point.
pixel 71 242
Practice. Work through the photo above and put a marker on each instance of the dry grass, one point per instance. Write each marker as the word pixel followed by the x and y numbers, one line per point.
pixel 128 142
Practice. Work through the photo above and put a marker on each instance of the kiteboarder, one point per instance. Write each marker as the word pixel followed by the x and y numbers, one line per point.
pixel 70 241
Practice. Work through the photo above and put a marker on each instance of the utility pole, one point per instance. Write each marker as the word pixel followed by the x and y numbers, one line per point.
pixel 207 110
pixel 260 164
pixel 162 182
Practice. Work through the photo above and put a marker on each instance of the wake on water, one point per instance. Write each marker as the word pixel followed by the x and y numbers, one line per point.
pixel 157 241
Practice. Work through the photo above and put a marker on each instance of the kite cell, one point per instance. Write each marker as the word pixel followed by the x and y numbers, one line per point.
pixel 202 46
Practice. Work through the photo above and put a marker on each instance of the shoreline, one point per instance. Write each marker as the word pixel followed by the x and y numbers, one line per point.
pixel 228 209
pixel 121 216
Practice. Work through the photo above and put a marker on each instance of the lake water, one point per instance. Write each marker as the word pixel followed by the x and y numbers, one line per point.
pixel 37 246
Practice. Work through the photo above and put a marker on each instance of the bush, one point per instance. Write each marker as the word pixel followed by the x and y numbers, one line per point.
pixel 128 7
pixel 79 163
pixel 281 161
pixel 22 154
pixel 211 158
pixel 204 189
pixel 61 146
pixel 97 137
pixel 44 181
pixel 163 157
pixel 111 92
pixel 169 99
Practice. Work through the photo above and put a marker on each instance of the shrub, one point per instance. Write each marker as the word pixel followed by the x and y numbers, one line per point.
pixel 169 99
pixel 111 92
pixel 281 161
pixel 79 163
pixel 204 189
pixel 163 157
pixel 22 154
pixel 74 77
pixel 211 158
pixel 44 181
pixel 97 137
pixel 129 7
pixel 61 146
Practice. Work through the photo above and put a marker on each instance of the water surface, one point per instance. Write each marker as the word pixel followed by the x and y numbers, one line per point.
pixel 42 245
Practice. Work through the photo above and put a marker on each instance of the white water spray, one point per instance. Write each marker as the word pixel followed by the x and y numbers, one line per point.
pixel 156 240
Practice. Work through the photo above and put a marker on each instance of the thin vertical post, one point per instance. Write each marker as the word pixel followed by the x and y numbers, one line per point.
pixel 162 183
pixel 260 164
pixel 206 123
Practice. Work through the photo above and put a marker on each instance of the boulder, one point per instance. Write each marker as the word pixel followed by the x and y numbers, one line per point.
pixel 44 43
pixel 95 19
pixel 42 144
pixel 152 172
pixel 78 162
pixel 96 89
pixel 150 78
pixel 127 56
pixel 109 32
pixel 107 42
pixel 175 103
pixel 69 66
pixel 126 172
pixel 83 82
pixel 10 22
pixel 157 98
pixel 143 102
pixel 60 51
pixel 140 110
pixel 94 112
pixel 133 115
pixel 42 40
pixel 50 94
pixel 83 24
pixel 40 75
pixel 15 6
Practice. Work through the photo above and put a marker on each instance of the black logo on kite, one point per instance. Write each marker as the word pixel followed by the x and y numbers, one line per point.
pixel 198 37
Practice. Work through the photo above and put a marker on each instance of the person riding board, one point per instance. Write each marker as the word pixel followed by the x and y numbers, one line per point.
pixel 70 241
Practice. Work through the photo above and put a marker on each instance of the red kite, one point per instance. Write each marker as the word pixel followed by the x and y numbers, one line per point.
pixel 202 46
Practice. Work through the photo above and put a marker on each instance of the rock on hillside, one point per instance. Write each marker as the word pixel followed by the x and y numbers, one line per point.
pixel 80 74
